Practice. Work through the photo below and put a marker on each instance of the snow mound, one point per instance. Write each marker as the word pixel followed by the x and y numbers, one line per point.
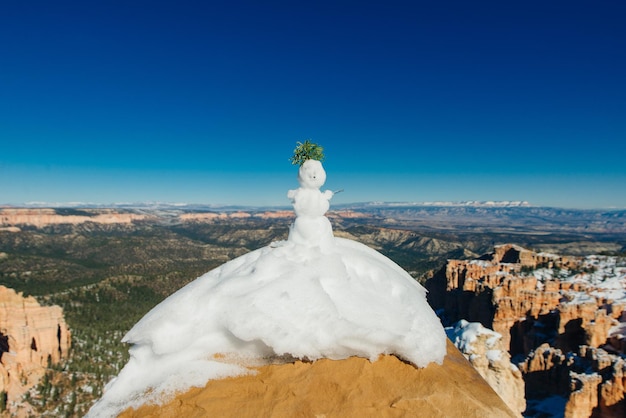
pixel 310 297
pixel 283 299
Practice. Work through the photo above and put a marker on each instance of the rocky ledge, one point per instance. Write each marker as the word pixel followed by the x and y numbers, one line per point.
pixel 354 387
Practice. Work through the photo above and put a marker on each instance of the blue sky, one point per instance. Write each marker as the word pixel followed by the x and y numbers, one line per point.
pixel 203 101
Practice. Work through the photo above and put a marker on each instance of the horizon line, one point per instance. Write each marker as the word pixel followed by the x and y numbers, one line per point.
pixel 183 205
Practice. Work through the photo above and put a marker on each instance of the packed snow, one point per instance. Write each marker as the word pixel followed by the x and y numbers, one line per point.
pixel 464 333
pixel 309 297
pixel 604 278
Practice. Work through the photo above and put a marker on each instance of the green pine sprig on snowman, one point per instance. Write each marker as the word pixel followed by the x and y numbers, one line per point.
pixel 307 150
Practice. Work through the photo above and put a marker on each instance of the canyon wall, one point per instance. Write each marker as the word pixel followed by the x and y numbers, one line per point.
pixel 32 337
pixel 592 381
pixel 565 315
pixel 517 293
pixel 43 217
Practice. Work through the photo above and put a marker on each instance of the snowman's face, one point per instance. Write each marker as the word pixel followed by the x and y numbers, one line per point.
pixel 311 175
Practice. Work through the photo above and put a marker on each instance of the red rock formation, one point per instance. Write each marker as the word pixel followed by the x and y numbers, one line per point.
pixel 493 290
pixel 583 324
pixel 31 337
pixel 484 350
pixel 584 395
pixel 574 312
pixel 510 253
pixel 609 371
pixel 44 217
pixel 202 217
pixel 546 371
pixel 278 214
pixel 592 380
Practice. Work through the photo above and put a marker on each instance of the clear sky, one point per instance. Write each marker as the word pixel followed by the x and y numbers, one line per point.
pixel 203 101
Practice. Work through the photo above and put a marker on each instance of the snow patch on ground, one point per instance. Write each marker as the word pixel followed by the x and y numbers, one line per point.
pixel 464 333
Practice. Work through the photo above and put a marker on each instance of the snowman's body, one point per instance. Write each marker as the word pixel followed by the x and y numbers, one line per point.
pixel 311 227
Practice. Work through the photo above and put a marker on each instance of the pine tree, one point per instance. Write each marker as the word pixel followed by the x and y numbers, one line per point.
pixel 3 401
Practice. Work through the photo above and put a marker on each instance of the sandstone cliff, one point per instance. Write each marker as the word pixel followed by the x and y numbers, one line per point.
pixel 31 337
pixel 485 351
pixel 566 314
pixel 43 217
pixel 354 387
pixel 212 216
pixel 592 381
pixel 531 298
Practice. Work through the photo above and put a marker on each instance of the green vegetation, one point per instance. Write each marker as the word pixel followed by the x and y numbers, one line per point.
pixel 3 401
pixel 73 212
pixel 307 151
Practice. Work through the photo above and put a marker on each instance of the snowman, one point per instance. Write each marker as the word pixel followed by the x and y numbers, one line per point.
pixel 311 228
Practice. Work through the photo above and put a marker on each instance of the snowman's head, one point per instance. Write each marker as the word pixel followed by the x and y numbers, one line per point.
pixel 311 175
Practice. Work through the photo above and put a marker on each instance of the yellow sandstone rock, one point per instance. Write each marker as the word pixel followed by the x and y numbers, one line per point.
pixel 354 387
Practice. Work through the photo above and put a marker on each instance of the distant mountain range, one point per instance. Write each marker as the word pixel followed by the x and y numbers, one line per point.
pixel 467 203
pixel 517 217
pixel 575 230
pixel 356 205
